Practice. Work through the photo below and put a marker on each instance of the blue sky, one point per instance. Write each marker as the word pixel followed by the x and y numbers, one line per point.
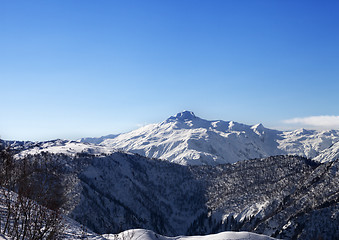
pixel 70 69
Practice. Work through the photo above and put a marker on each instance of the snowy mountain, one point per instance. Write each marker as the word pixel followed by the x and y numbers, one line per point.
pixel 189 140
pixel 58 146
pixel 318 145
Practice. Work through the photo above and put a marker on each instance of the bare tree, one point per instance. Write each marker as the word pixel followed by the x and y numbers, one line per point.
pixel 32 191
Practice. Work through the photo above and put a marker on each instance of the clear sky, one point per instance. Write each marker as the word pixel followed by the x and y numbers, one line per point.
pixel 76 68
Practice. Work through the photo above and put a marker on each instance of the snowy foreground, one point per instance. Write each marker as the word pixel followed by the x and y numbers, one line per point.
pixel 2 237
pixel 142 234
pixel 74 230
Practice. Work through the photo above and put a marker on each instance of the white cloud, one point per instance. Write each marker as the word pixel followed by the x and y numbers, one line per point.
pixel 315 121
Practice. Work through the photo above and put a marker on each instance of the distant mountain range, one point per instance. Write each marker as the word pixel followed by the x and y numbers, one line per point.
pixel 189 140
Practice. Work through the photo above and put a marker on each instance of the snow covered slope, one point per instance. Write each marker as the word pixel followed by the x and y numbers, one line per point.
pixel 3 237
pixel 142 234
pixel 322 146
pixel 189 140
pixel 70 228
pixel 329 153
pixel 61 146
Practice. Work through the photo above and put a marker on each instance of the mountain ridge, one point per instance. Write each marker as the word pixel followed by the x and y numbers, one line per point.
pixel 190 140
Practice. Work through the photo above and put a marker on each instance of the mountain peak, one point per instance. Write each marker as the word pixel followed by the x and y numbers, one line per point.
pixel 258 126
pixel 186 115
pixel 183 116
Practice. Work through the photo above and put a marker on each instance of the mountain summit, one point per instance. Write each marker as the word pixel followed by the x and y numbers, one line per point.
pixel 183 116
